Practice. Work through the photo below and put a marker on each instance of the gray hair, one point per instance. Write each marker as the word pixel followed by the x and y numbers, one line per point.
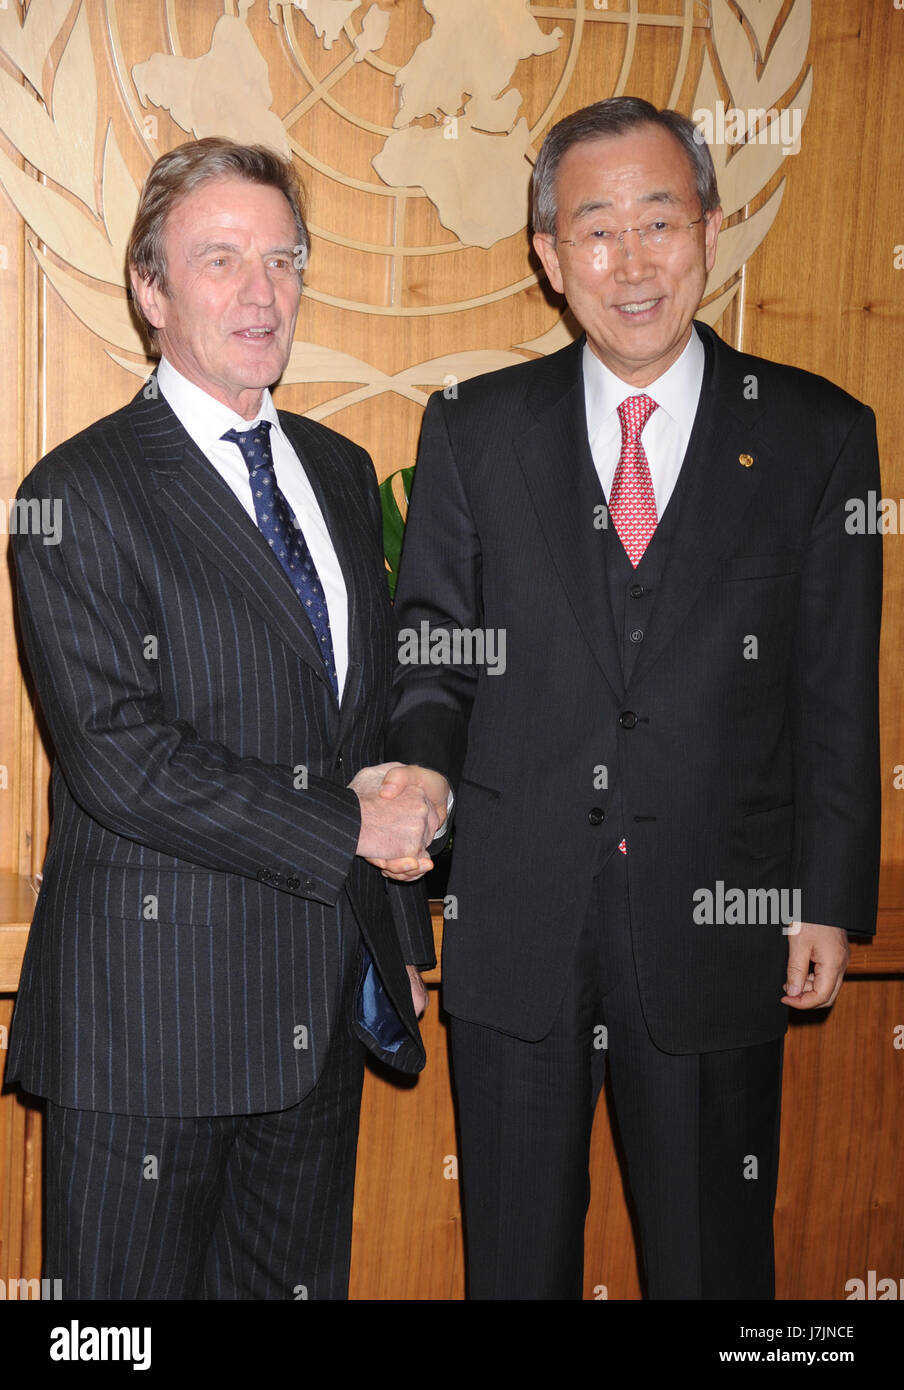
pixel 615 116
pixel 176 174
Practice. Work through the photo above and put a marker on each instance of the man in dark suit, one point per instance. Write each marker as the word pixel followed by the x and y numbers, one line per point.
pixel 667 800
pixel 211 644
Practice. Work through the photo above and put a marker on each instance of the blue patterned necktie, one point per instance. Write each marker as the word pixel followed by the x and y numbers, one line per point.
pixel 284 536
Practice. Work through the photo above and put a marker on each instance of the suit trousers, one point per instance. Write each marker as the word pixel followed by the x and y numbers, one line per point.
pixel 700 1135
pixel 210 1207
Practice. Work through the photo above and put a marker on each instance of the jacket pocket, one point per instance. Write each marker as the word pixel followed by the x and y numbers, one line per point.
pixel 772 566
pixel 147 894
pixel 472 786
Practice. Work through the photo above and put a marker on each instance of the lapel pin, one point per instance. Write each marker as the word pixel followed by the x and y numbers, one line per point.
pixel 745 460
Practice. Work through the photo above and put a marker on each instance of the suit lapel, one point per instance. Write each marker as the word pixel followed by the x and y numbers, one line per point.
pixel 197 501
pixel 717 493
pixel 565 490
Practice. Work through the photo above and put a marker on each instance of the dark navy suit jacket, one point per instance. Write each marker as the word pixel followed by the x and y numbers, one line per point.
pixel 201 871
pixel 757 773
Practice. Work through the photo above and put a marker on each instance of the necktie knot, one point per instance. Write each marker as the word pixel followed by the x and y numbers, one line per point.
pixel 253 444
pixel 633 414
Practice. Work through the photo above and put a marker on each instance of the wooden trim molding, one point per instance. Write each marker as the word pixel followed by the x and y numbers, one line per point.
pixel 18 895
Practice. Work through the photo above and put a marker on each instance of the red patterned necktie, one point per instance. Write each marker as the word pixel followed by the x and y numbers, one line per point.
pixel 632 502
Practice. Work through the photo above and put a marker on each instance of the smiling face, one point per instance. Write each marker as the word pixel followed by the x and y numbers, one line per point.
pixel 637 309
pixel 228 319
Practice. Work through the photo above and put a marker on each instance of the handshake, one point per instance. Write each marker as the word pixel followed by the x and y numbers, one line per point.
pixel 403 807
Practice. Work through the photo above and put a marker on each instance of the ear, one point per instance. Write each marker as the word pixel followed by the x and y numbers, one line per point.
pixel 711 236
pixel 150 297
pixel 545 247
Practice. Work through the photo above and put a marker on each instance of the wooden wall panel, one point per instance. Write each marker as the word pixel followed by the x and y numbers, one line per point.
pixel 821 291
pixel 15 715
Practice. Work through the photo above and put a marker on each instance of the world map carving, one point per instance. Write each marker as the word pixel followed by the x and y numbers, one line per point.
pixel 476 180
pixel 459 140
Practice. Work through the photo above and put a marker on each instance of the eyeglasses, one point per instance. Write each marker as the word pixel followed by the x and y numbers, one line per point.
pixel 596 244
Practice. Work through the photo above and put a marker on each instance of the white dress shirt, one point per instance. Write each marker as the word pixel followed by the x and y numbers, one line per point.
pixel 666 433
pixel 206 419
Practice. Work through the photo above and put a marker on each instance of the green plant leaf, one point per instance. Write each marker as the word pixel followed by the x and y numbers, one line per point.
pixel 394 523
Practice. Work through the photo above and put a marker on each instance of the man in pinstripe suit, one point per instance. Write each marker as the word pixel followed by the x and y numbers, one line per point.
pixel 211 952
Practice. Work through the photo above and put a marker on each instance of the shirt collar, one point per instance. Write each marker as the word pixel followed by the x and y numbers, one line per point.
pixel 677 391
pixel 205 418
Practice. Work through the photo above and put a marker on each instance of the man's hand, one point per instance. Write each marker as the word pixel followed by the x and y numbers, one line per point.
pixel 827 948
pixel 432 784
pixel 435 788
pixel 394 829
pixel 419 996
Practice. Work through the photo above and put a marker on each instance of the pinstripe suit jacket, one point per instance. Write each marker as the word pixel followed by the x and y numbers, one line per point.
pixel 185 954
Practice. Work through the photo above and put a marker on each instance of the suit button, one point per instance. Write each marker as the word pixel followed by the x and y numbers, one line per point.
pixel 637 591
pixel 636 634
pixel 339 762
pixel 308 883
pixel 627 719
pixel 276 878
pixel 293 882
pixel 264 875
pixel 596 816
